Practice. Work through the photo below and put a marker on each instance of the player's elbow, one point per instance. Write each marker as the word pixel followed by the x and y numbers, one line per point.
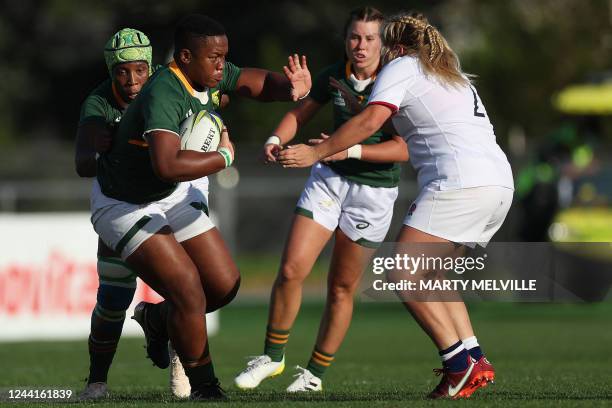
pixel 85 168
pixel 165 172
pixel 401 149
pixel 403 156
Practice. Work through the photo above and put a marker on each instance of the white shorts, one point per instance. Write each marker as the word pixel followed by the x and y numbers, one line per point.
pixel 200 189
pixel 125 226
pixel 467 216
pixel 362 212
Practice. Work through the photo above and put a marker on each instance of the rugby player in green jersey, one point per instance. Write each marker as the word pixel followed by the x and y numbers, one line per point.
pixel 128 56
pixel 159 225
pixel 350 197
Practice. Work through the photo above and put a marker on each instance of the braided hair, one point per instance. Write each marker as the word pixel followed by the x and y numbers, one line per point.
pixel 412 34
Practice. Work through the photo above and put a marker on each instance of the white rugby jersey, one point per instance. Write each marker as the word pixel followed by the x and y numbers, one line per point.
pixel 449 135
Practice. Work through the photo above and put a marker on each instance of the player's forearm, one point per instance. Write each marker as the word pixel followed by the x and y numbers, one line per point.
pixel 85 154
pixel 391 151
pixel 354 131
pixel 295 119
pixel 287 127
pixel 276 88
pixel 189 165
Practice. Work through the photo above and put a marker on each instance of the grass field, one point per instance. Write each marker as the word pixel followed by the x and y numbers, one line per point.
pixel 545 355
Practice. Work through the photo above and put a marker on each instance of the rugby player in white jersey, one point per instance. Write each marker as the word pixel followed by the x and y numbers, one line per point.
pixel 350 198
pixel 465 180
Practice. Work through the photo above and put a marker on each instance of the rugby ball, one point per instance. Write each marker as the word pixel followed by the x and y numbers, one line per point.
pixel 201 132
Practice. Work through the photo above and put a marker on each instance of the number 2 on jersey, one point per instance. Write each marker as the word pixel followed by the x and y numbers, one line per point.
pixel 476 113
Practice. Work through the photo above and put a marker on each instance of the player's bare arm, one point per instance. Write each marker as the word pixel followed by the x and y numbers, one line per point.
pixel 91 138
pixel 391 151
pixel 291 122
pixel 170 163
pixel 268 86
pixel 352 132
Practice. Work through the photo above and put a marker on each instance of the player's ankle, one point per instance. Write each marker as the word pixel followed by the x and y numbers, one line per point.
pixel 455 358
pixel 276 340
pixel 319 362
pixel 201 375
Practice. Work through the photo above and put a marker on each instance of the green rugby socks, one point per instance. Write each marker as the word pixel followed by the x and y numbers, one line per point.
pixel 276 340
pixel 319 362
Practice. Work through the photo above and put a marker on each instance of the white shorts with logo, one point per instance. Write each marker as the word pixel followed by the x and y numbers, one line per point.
pixel 362 212
pixel 468 215
pixel 125 226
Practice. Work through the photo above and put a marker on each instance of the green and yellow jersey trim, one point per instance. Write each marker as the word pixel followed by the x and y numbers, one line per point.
pixel 181 77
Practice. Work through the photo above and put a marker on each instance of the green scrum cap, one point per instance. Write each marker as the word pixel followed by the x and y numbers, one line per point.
pixel 128 45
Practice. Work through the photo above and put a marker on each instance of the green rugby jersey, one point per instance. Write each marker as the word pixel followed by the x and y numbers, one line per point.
pixel 125 172
pixel 371 174
pixel 103 105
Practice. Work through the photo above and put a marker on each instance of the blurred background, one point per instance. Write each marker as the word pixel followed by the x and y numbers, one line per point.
pixel 543 72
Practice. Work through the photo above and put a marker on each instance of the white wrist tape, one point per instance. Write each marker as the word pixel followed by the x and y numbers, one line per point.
pixel 354 152
pixel 227 156
pixel 273 140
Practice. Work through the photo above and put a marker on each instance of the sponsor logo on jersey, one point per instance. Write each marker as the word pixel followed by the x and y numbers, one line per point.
pixel 362 225
pixel 215 99
pixel 339 99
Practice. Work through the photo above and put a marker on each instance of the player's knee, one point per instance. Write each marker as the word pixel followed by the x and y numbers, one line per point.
pixel 341 291
pixel 225 298
pixel 291 272
pixel 117 284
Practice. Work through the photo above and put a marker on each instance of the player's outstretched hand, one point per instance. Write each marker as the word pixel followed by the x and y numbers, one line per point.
pixel 298 156
pixel 298 74
pixel 351 101
pixel 334 157
pixel 270 152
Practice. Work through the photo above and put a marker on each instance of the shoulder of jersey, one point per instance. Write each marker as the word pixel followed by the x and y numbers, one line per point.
pixel 103 89
pixel 404 67
pixel 161 79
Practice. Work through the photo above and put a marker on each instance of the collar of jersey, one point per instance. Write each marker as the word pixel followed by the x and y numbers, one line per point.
pixel 179 74
pixel 348 71
pixel 122 104
pixel 203 96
